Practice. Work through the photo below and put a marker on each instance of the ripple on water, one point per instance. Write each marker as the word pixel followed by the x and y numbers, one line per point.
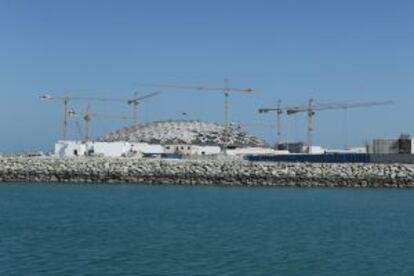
pixel 173 230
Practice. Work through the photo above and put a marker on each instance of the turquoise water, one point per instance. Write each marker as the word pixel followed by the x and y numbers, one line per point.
pixel 88 229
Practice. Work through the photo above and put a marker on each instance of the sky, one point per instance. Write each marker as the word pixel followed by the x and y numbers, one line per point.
pixel 339 51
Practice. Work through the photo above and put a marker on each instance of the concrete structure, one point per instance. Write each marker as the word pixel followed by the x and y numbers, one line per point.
pixel 70 148
pixel 402 145
pixel 114 149
pixel 254 151
pixel 186 149
pixel 146 148
pixel 385 146
pixel 351 150
pixel 209 150
pixel 183 133
pixel 315 150
pixel 183 149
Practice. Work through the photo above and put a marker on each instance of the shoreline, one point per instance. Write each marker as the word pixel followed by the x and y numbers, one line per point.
pixel 205 172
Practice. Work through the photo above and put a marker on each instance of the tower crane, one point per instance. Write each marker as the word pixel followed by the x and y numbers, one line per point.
pixel 226 90
pixel 312 108
pixel 87 117
pixel 279 112
pixel 133 101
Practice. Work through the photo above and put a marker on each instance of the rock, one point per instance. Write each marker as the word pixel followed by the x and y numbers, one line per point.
pixel 218 172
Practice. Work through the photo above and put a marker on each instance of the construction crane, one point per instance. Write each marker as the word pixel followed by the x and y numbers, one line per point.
pixel 87 117
pixel 136 99
pixel 311 109
pixel 279 112
pixel 226 91
pixel 133 101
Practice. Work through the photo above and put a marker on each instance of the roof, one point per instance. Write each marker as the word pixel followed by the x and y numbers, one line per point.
pixel 182 132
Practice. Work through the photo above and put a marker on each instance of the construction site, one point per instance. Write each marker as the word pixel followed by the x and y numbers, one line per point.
pixel 195 139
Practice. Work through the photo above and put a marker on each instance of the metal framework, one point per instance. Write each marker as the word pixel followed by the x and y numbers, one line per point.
pixel 133 101
pixel 87 117
pixel 311 108
pixel 226 91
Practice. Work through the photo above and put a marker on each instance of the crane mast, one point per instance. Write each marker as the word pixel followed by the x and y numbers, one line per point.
pixel 312 108
pixel 226 92
pixel 133 101
pixel 279 110
pixel 87 117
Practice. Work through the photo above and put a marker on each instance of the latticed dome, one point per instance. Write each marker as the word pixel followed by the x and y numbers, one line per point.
pixel 182 132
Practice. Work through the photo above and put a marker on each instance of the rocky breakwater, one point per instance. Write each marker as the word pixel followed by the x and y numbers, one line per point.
pixel 213 172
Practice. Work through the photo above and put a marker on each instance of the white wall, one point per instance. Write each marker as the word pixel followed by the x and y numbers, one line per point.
pixel 147 148
pixel 208 150
pixel 68 148
pixel 113 149
pixel 182 149
pixel 251 150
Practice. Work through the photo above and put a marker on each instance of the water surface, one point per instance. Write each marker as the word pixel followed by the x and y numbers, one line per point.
pixel 83 229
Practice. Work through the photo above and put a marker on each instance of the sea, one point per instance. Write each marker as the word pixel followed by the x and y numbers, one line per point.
pixel 136 229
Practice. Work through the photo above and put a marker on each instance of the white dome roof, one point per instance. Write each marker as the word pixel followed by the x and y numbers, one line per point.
pixel 182 132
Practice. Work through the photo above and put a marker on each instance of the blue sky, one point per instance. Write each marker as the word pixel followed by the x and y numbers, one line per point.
pixel 292 50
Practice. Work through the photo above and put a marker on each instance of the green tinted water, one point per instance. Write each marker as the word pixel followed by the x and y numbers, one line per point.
pixel 66 229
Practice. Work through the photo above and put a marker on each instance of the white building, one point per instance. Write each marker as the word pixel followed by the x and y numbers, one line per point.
pixel 70 149
pixel 209 150
pixel 186 149
pixel 112 149
pixel 106 149
pixel 253 151
pixel 127 149
pixel 351 150
pixel 315 150
pixel 145 148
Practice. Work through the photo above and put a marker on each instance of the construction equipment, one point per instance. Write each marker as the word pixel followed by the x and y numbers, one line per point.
pixel 66 99
pixel 133 101
pixel 87 117
pixel 279 111
pixel 226 91
pixel 311 109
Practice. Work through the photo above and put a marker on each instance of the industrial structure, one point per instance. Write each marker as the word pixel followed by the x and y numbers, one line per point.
pixel 402 145
pixel 198 139
pixel 226 91
pixel 66 98
pixel 171 138
pixel 311 110
pixel 279 112
pixel 87 117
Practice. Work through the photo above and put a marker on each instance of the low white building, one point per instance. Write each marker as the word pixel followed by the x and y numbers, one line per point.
pixel 70 149
pixel 209 150
pixel 145 148
pixel 315 150
pixel 109 149
pixel 106 149
pixel 351 150
pixel 253 151
pixel 183 149
pixel 186 149
pixel 127 149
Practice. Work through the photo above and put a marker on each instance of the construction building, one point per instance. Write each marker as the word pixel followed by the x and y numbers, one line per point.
pixel 183 138
pixel 402 145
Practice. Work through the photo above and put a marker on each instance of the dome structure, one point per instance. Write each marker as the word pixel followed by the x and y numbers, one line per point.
pixel 183 132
